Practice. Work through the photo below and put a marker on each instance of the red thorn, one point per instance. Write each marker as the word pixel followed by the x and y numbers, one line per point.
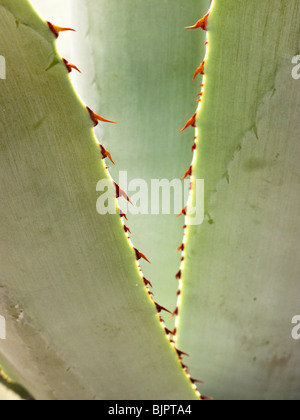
pixel 57 29
pixel 206 43
pixel 188 173
pixel 194 147
pixel 179 292
pixel 183 212
pixel 175 313
pixel 139 255
pixel 169 332
pixel 204 398
pixel 178 275
pixel 185 226
pixel 202 23
pixel 182 259
pixel 181 353
pixel 147 282
pixel 121 193
pixel 122 215
pixel 185 367
pixel 194 381
pixel 191 122
pixel 161 319
pixel 105 154
pixel 70 66
pixel 200 70
pixel 161 308
pixel 180 248
pixel 96 118
pixel 126 229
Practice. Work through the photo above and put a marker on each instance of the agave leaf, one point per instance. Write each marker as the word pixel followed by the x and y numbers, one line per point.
pixel 241 274
pixel 80 323
pixel 138 61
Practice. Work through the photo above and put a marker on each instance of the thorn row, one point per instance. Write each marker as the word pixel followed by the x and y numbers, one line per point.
pixel 202 23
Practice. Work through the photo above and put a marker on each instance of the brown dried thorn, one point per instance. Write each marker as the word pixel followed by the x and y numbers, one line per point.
pixel 178 275
pixel 70 66
pixel 194 381
pixel 147 282
pixel 161 308
pixel 122 215
pixel 126 229
pixel 169 332
pixel 121 193
pixel 105 154
pixel 57 29
pixel 181 353
pixel 180 248
pixel 96 118
pixel 139 255
pixel 175 313
pixel 185 367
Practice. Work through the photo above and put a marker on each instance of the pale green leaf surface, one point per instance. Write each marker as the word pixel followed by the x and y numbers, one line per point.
pixel 241 276
pixel 80 324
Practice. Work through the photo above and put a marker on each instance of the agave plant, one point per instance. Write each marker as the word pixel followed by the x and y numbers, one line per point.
pixel 76 286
